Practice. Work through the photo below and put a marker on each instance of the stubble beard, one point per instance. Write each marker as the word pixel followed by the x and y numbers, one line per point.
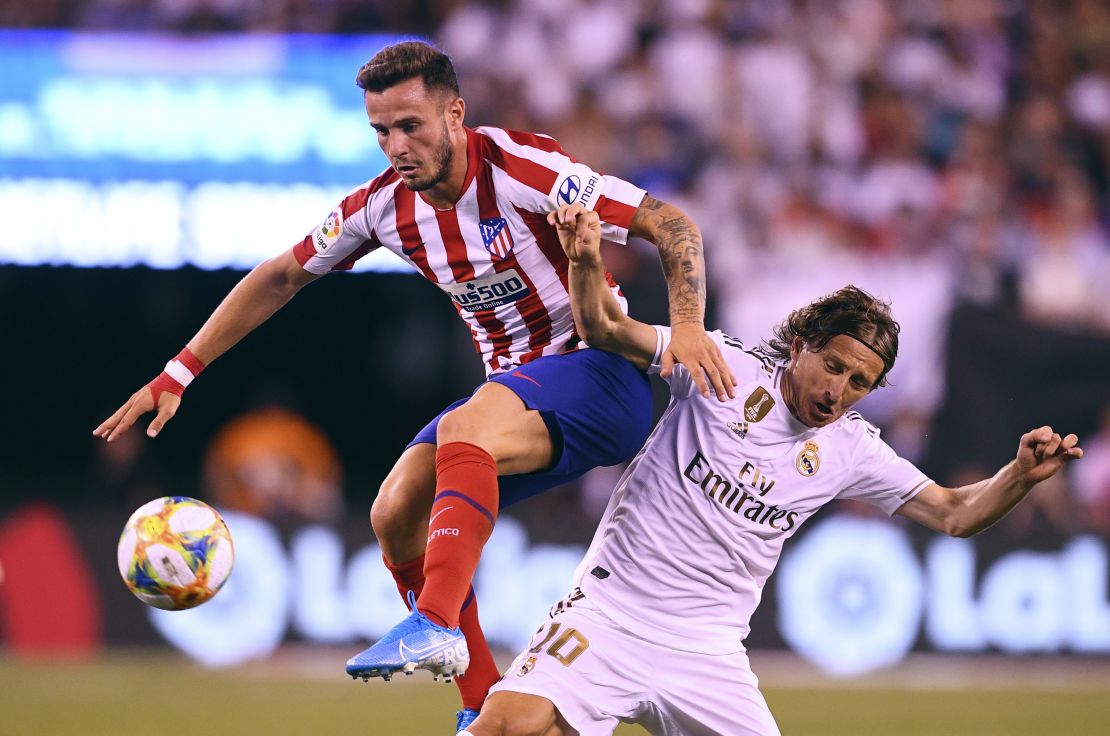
pixel 444 157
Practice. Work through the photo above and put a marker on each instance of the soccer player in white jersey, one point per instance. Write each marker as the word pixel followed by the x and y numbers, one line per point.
pixel 466 207
pixel 664 595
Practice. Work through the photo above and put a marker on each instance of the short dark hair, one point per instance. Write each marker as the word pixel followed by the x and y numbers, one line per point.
pixel 408 60
pixel 850 311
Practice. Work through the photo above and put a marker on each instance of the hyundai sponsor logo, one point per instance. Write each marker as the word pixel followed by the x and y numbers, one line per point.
pixel 568 190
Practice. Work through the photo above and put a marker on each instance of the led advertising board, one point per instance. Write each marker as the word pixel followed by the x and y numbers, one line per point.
pixel 163 151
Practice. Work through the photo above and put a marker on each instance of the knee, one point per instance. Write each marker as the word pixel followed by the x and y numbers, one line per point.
pixel 398 506
pixel 459 425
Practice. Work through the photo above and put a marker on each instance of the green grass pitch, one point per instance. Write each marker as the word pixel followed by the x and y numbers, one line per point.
pixel 153 692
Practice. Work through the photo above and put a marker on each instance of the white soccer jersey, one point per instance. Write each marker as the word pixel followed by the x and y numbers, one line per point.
pixel 493 253
pixel 697 522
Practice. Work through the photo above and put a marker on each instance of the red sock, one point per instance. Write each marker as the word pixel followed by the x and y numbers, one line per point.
pixel 408 576
pixel 462 517
pixel 482 672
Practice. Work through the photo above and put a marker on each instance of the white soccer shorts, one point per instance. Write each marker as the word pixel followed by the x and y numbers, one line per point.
pixel 598 674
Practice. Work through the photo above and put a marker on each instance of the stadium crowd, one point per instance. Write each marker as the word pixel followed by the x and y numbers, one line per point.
pixel 956 150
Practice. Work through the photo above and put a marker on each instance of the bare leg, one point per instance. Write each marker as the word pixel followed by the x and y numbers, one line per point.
pixel 496 420
pixel 517 714
pixel 400 512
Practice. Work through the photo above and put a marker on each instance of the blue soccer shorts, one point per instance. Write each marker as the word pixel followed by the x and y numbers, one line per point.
pixel 597 408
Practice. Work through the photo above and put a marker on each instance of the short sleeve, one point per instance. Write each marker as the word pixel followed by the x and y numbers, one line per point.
pixel 342 238
pixel 883 479
pixel 539 176
pixel 615 200
pixel 681 383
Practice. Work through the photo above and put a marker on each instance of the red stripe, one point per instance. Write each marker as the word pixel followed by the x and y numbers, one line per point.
pixel 529 173
pixel 351 204
pixel 357 199
pixel 537 320
pixel 548 241
pixel 461 267
pixel 404 202
pixel 537 141
pixel 304 250
pixel 463 270
pixel 615 212
pixel 474 159
pixel 365 247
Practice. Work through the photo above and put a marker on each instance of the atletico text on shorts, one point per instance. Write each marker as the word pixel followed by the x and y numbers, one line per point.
pixel 597 408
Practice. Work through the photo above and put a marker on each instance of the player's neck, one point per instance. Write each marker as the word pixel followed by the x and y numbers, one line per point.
pixel 789 396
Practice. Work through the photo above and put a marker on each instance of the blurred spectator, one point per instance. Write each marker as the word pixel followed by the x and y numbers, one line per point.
pixel 1092 478
pixel 274 464
pixel 931 152
pixel 1064 279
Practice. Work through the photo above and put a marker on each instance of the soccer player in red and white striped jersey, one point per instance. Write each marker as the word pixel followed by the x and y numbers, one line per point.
pixel 467 207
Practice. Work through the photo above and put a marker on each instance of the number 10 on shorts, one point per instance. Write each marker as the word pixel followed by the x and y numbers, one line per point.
pixel 565 647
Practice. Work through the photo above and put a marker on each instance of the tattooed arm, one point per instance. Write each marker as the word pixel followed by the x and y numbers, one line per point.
pixel 680 251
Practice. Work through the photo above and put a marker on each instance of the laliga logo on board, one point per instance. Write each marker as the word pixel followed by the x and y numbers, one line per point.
pixel 569 189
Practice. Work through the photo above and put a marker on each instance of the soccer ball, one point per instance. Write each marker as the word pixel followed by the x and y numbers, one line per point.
pixel 175 553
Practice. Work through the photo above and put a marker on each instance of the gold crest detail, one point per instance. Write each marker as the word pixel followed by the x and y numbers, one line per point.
pixel 808 461
pixel 528 666
pixel 757 405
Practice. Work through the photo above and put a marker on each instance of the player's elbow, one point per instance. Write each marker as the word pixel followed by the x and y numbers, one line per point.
pixel 283 275
pixel 600 332
pixel 958 523
pixel 960 531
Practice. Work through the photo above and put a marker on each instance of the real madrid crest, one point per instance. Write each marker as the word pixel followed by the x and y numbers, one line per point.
pixel 528 666
pixel 808 461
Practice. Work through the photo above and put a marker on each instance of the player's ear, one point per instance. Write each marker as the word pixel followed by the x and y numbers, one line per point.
pixel 796 347
pixel 454 111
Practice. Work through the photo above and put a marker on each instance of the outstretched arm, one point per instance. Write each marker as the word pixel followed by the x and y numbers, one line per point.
pixel 968 510
pixel 597 316
pixel 262 292
pixel 680 251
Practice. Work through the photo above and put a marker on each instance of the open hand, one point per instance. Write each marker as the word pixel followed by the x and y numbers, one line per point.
pixel 141 402
pixel 693 348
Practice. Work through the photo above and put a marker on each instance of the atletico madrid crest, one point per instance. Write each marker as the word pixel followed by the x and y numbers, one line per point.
pixel 497 237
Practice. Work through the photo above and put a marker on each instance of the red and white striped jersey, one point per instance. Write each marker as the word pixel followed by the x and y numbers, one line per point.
pixel 493 253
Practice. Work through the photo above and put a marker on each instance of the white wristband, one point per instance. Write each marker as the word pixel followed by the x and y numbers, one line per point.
pixel 176 370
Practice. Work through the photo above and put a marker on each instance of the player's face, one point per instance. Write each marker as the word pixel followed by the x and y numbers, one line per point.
pixel 821 385
pixel 414 131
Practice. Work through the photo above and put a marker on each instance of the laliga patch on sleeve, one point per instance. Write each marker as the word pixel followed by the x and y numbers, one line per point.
pixel 577 184
pixel 328 233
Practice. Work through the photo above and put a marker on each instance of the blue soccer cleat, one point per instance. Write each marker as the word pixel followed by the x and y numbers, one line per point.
pixel 464 718
pixel 415 643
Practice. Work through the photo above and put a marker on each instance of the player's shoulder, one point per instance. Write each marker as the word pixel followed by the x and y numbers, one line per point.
pixel 854 428
pixel 381 185
pixel 745 360
pixel 519 141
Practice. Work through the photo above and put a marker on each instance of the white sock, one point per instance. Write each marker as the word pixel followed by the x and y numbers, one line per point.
pixel 464 733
